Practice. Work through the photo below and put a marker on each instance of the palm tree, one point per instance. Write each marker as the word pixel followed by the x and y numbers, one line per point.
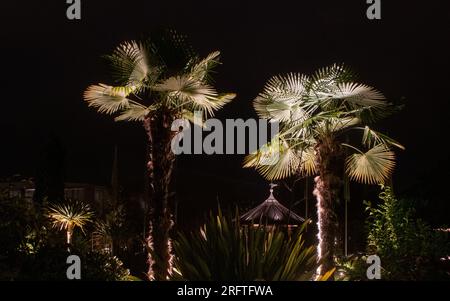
pixel 317 114
pixel 158 81
pixel 68 216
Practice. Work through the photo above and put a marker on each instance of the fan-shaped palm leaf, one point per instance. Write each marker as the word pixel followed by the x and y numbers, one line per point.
pixel 335 124
pixel 135 113
pixel 326 79
pixel 371 167
pixel 185 90
pixel 108 99
pixel 275 160
pixel 281 99
pixel 359 95
pixel 308 161
pixel 70 215
pixel 130 64
pixel 200 70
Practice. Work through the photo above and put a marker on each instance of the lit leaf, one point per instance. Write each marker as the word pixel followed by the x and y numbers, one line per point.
pixel 134 113
pixel 107 99
pixel 371 167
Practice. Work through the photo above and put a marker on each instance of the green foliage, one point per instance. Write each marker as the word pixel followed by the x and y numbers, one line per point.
pixel 32 249
pixel 222 250
pixel 158 74
pixel 351 268
pixel 70 214
pixel 102 266
pixel 49 264
pixel 320 109
pixel 409 249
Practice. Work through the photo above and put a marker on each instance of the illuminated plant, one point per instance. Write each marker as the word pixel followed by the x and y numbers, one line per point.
pixel 158 81
pixel 69 216
pixel 222 250
pixel 316 115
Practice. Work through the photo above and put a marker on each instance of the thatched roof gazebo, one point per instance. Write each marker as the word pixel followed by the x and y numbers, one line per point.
pixel 270 213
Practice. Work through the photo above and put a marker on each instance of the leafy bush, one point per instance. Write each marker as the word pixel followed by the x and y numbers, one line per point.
pixel 222 251
pixel 352 268
pixel 49 264
pixel 32 250
pixel 409 249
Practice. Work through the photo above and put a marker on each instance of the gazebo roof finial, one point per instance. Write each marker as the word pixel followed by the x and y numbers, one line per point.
pixel 272 186
pixel 271 197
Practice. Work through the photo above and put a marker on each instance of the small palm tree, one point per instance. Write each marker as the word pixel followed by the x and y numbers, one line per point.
pixel 112 230
pixel 158 81
pixel 316 114
pixel 69 216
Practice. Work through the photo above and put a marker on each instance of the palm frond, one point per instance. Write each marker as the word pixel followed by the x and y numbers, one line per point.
pixel 371 167
pixel 326 79
pixel 130 63
pixel 334 124
pixel 372 138
pixel 69 215
pixel 135 112
pixel 281 98
pixel 200 70
pixel 287 88
pixel 274 160
pixel 173 50
pixel 107 99
pixel 185 90
pixel 359 95
pixel 307 161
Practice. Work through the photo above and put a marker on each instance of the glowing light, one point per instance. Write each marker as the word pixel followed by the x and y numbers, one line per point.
pixel 318 196
pixel 150 261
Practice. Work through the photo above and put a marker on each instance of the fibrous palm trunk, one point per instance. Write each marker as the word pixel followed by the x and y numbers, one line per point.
pixel 326 190
pixel 159 166
pixel 69 235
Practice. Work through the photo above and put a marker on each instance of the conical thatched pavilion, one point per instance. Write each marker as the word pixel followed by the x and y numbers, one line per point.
pixel 271 212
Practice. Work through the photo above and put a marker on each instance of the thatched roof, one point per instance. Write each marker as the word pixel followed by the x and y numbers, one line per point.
pixel 271 212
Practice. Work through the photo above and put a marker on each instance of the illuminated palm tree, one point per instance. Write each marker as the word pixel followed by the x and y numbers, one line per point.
pixel 69 216
pixel 158 81
pixel 316 114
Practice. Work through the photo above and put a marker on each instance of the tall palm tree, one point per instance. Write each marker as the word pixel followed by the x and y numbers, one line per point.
pixel 158 81
pixel 68 216
pixel 316 113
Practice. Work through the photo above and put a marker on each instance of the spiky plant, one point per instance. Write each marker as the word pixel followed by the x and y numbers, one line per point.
pixel 158 80
pixel 223 251
pixel 316 115
pixel 70 215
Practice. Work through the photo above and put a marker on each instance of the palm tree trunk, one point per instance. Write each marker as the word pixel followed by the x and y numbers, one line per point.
pixel 327 185
pixel 159 166
pixel 69 235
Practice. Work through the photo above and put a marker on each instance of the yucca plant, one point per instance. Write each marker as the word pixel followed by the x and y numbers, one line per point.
pixel 316 115
pixel 68 216
pixel 222 250
pixel 158 80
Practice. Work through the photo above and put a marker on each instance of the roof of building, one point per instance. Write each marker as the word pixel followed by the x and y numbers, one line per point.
pixel 271 212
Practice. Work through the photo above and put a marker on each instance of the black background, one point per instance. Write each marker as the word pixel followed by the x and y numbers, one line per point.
pixel 47 61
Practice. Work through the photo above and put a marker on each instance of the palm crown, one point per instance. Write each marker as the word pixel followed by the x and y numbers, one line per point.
pixel 150 78
pixel 314 110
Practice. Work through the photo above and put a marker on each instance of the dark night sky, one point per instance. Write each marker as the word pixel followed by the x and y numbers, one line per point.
pixel 47 61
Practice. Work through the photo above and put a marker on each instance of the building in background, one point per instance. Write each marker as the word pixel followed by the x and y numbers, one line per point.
pixel 24 188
